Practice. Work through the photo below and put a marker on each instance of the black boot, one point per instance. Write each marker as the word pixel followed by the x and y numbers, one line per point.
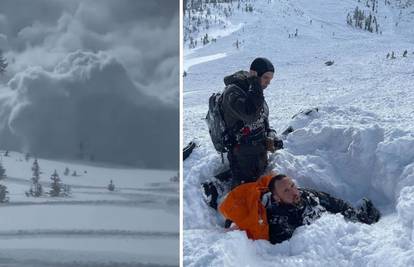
pixel 210 194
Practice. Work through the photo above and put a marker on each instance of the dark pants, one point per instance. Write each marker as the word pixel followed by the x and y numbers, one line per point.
pixel 247 163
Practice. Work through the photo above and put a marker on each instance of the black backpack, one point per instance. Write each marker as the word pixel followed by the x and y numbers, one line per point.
pixel 216 125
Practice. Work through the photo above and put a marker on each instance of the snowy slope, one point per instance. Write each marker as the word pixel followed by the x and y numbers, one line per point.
pixel 135 225
pixel 360 143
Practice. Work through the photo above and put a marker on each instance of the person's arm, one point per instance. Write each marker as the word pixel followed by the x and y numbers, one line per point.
pixel 279 227
pixel 367 213
pixel 335 205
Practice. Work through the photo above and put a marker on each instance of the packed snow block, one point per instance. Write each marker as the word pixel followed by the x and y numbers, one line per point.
pixel 405 179
pixel 332 229
pixel 405 206
pixel 215 248
pixel 347 153
pixel 335 158
pixel 394 164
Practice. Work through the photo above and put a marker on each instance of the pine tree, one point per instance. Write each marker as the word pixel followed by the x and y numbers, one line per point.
pixel 3 63
pixel 66 172
pixel 111 186
pixel 3 194
pixel 36 189
pixel 56 185
pixel 2 172
pixel 3 188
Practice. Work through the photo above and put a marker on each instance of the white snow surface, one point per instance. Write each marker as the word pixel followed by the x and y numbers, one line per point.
pixel 135 225
pixel 360 143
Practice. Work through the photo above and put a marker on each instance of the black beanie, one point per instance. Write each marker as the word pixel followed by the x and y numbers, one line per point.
pixel 262 65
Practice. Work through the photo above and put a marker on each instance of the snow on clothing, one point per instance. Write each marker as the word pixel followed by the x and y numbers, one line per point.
pixel 251 207
pixel 245 113
pixel 283 218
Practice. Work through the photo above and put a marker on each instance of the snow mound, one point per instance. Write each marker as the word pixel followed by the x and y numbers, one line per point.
pixel 347 153
pixel 342 151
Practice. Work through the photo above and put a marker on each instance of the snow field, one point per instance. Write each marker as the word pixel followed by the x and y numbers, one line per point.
pixel 135 225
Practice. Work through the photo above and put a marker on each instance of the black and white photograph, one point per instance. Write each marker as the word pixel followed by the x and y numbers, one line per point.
pixel 89 133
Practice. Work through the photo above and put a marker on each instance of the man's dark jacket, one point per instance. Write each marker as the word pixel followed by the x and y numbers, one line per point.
pixel 245 113
pixel 243 106
pixel 283 219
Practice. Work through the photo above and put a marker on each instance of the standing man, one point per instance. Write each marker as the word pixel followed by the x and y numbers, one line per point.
pixel 245 114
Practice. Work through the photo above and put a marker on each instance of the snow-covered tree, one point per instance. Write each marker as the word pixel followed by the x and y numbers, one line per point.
pixel 2 172
pixel 111 186
pixel 3 194
pixel 36 189
pixel 56 185
pixel 66 172
pixel 3 188
pixel 3 62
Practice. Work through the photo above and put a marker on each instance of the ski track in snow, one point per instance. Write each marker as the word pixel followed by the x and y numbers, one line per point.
pixel 194 61
pixel 84 232
pixel 360 143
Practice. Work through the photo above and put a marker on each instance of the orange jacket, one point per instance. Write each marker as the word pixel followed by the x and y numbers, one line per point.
pixel 243 206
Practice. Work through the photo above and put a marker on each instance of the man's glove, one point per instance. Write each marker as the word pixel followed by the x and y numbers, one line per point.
pixel 273 144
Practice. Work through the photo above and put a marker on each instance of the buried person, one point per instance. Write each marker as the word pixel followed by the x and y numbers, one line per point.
pixel 273 207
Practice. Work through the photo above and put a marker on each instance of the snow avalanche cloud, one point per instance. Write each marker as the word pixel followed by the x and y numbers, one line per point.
pixel 91 77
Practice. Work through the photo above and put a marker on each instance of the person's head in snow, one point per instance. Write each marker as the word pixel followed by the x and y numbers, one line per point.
pixel 284 190
pixel 262 68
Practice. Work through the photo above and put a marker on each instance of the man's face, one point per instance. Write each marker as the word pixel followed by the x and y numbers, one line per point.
pixel 265 79
pixel 286 191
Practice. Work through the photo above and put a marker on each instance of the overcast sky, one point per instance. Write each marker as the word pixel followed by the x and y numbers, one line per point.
pixel 104 73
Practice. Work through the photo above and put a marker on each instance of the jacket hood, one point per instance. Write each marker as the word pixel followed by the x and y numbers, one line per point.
pixel 238 78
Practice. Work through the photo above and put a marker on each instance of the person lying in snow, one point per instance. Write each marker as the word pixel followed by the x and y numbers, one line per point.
pixel 273 207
